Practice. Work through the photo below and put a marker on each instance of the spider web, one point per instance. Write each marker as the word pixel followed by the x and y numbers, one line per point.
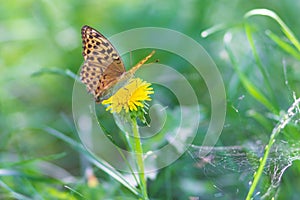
pixel 245 159
pixel 220 160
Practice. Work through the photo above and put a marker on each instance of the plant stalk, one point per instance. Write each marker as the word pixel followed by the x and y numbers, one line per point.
pixel 138 150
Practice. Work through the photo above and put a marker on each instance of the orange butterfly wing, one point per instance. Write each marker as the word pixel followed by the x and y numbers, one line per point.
pixel 102 66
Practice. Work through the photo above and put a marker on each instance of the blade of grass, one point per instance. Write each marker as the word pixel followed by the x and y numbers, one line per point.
pixel 56 71
pixel 219 27
pixel 122 154
pixel 14 194
pixel 285 29
pixel 253 91
pixel 99 163
pixel 27 161
pixel 30 175
pixel 213 29
pixel 261 119
pixel 284 45
pixel 258 60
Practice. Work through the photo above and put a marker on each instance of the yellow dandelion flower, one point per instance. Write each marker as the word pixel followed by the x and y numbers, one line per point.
pixel 131 97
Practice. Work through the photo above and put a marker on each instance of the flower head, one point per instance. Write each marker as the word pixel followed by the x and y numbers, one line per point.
pixel 130 98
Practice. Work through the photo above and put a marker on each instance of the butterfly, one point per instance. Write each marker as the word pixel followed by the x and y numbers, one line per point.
pixel 103 67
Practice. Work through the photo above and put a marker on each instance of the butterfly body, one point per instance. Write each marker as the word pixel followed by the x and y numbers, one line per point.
pixel 103 68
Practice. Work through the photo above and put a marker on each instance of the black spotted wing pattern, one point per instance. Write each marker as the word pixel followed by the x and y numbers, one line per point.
pixel 102 64
pixel 102 67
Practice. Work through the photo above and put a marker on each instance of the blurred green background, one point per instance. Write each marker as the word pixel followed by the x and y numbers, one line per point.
pixel 36 36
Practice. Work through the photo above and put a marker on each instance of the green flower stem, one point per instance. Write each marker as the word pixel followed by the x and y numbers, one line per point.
pixel 138 150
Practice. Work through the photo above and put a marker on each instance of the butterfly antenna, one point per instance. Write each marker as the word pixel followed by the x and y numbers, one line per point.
pixel 130 58
pixel 137 66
